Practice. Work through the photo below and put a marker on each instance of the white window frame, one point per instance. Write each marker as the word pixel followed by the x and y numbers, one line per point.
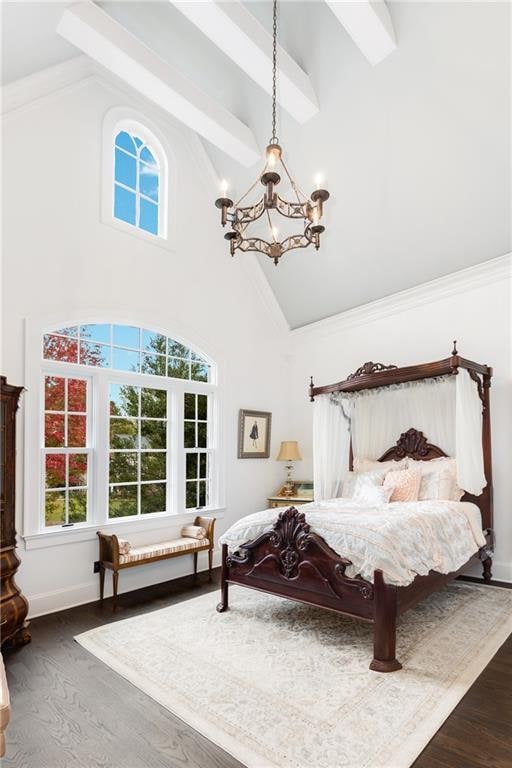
pixel 124 119
pixel 35 534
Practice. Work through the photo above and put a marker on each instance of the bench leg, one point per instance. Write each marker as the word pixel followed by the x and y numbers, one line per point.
pixel 115 581
pixel 102 582
pixel 195 564
pixel 210 563
pixel 223 605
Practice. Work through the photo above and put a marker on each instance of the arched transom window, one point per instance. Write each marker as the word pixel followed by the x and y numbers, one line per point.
pixel 127 426
pixel 137 182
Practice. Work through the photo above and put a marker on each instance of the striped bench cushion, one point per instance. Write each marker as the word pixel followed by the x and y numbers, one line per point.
pixel 163 548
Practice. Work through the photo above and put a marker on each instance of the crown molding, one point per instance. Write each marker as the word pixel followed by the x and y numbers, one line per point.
pixel 455 283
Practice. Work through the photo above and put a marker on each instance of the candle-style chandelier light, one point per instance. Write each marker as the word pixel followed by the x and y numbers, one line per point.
pixel 309 209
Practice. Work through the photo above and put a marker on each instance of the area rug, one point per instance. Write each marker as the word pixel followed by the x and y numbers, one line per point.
pixel 282 685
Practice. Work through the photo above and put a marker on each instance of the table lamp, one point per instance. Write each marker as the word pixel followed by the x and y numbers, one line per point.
pixel 289 452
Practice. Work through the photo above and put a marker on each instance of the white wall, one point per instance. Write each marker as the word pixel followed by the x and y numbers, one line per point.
pixel 60 258
pixel 473 306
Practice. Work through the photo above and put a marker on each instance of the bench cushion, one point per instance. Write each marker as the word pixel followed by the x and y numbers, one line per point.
pixel 163 548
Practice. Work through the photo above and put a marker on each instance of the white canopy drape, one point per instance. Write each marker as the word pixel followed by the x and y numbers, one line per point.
pixel 448 411
pixel 331 445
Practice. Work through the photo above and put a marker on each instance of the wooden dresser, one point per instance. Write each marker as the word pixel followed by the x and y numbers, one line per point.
pixel 13 606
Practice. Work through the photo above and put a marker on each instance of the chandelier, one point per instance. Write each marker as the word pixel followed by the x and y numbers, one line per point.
pixel 308 209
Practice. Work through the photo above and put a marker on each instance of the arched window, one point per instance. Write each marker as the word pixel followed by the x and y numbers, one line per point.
pixel 138 178
pixel 127 419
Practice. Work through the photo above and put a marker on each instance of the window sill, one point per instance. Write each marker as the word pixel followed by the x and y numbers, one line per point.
pixel 60 536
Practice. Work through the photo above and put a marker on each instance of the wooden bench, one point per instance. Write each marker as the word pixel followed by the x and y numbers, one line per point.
pixel 112 558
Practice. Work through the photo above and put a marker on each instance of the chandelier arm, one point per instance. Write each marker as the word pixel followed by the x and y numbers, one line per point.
pixel 245 216
pixel 295 187
pixel 283 207
pixel 249 190
pixel 270 225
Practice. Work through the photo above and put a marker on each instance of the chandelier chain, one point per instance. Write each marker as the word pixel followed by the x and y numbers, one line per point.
pixel 274 139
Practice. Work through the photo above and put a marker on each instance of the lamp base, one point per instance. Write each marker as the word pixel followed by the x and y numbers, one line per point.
pixel 289 486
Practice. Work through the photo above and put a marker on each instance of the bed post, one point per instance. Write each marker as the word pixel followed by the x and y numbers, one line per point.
pixel 384 627
pixel 223 605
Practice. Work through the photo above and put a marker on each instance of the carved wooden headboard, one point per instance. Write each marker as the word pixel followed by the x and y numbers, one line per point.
pixel 413 445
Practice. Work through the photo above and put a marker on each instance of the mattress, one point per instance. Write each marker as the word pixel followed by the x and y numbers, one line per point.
pixel 402 539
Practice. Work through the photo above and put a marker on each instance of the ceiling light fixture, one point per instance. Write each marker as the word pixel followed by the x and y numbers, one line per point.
pixel 309 209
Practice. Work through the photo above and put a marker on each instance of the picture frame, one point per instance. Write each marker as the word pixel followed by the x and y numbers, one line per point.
pixel 254 429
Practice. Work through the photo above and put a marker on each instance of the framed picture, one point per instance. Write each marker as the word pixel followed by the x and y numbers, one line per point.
pixel 254 434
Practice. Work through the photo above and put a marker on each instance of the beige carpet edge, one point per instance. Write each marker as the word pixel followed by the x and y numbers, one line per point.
pixel 422 735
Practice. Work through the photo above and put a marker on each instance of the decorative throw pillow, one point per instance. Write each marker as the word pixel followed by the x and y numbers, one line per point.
pixel 354 482
pixel 124 546
pixel 438 480
pixel 368 465
pixel 194 531
pixel 405 484
pixel 373 495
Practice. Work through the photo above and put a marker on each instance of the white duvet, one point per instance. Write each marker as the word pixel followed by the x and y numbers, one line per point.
pixel 402 539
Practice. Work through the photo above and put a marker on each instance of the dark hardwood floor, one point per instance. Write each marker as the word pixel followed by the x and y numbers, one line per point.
pixel 71 711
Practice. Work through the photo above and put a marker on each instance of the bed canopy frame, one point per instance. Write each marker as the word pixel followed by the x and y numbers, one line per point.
pixel 291 561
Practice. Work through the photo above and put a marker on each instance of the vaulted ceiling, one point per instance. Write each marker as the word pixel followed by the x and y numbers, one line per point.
pixel 412 139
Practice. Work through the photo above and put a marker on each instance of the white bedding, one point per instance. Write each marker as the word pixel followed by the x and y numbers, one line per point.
pixel 403 539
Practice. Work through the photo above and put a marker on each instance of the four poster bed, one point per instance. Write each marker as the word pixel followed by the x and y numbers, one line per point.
pixel 289 559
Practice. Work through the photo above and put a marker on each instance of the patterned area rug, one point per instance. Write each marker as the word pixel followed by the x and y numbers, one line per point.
pixel 283 685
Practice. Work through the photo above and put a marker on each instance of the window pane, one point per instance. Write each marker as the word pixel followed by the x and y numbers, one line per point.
pixel 177 350
pixel 148 182
pixel 199 372
pixel 126 169
pixel 191 495
pixel 123 467
pixel 153 434
pixel 153 365
pixel 125 360
pixel 77 472
pixel 77 506
pixel 154 342
pixel 123 433
pixel 138 141
pixel 69 331
pixel 96 332
pixel 147 156
pixel 54 430
pixel 152 498
pixel 190 434
pixel 178 369
pixel 203 464
pixel 94 354
pixel 125 141
pixel 77 431
pixel 124 400
pixel 190 405
pixel 126 336
pixel 153 403
pixel 55 470
pixel 122 501
pixel 148 216
pixel 191 466
pixel 202 407
pixel 60 348
pixel 202 493
pixel 77 395
pixel 152 466
pixel 54 393
pixel 55 508
pixel 201 434
pixel 124 204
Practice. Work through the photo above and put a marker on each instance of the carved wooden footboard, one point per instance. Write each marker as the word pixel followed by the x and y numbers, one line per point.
pixel 292 562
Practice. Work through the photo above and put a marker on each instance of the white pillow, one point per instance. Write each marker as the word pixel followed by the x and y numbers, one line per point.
pixel 373 495
pixel 438 480
pixel 369 465
pixel 354 482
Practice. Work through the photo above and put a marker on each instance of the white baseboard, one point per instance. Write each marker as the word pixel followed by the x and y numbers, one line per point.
pixel 60 599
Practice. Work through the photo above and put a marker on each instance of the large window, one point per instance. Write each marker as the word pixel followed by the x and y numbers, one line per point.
pixel 128 425
pixel 136 183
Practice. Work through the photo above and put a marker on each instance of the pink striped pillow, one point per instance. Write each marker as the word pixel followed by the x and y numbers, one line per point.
pixel 405 484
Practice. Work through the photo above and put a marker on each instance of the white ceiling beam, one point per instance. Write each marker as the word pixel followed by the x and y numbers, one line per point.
pixel 233 29
pixel 369 25
pixel 99 36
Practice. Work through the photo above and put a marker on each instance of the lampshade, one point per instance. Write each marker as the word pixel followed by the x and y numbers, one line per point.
pixel 289 451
